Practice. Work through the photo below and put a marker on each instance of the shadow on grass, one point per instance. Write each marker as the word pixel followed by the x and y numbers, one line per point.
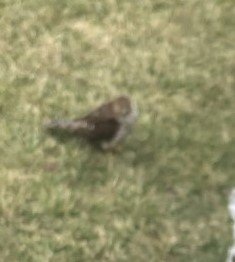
pixel 65 137
pixel 90 161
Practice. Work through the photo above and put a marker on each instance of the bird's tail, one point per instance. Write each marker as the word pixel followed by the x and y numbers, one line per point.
pixel 78 126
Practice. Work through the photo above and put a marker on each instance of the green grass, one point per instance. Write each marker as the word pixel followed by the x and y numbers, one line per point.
pixel 164 196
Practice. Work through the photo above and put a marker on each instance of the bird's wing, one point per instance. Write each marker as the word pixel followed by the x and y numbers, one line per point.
pixel 92 128
pixel 101 128
pixel 104 111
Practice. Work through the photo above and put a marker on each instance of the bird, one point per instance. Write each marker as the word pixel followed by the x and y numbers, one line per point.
pixel 105 126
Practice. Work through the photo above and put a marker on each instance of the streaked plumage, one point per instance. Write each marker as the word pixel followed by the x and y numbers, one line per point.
pixel 105 126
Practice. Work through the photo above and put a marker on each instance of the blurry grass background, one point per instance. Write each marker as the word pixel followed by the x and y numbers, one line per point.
pixel 164 196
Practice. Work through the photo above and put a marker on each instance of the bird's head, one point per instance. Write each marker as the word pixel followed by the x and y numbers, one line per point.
pixel 124 109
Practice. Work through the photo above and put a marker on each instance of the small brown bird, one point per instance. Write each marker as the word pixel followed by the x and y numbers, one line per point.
pixel 105 126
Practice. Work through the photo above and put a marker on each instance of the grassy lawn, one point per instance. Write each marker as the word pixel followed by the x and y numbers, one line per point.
pixel 163 197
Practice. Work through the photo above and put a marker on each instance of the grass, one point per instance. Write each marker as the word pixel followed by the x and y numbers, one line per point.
pixel 164 196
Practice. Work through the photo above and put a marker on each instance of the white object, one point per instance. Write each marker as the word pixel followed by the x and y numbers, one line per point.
pixel 231 208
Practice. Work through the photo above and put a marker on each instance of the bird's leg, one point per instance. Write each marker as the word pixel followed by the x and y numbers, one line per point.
pixel 111 147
